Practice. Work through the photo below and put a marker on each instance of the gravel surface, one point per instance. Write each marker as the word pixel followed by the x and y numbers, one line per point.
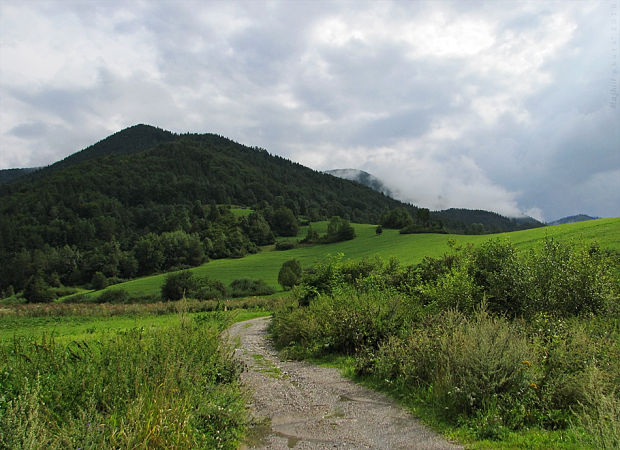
pixel 298 405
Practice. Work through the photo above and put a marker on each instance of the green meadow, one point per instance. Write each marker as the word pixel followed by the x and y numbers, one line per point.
pixel 80 327
pixel 408 249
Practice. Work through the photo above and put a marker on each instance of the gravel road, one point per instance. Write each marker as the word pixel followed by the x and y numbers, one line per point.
pixel 298 405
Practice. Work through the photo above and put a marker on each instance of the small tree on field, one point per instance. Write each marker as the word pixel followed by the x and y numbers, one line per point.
pixel 99 281
pixel 290 274
pixel 37 291
pixel 178 285
pixel 379 229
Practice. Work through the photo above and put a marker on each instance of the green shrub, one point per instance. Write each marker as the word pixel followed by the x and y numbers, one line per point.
pixel 178 285
pixel 209 289
pixel 290 273
pixel 285 245
pixel 185 284
pixel 37 291
pixel 567 280
pixel 338 230
pixel 99 281
pixel 246 287
pixel 600 418
pixel 344 324
pixel 454 290
pixel 113 296
pixel 490 339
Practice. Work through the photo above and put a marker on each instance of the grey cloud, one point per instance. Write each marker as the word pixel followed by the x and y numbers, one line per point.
pixel 29 130
pixel 255 72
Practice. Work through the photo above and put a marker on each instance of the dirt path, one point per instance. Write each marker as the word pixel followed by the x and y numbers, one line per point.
pixel 298 405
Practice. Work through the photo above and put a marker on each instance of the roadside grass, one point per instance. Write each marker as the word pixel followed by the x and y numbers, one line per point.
pixel 408 249
pixel 421 409
pixel 130 382
pixel 267 367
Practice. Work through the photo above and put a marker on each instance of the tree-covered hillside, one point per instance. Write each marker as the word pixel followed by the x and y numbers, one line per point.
pixel 118 210
pixel 469 221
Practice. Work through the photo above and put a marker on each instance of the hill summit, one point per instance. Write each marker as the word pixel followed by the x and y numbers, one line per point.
pixel 361 177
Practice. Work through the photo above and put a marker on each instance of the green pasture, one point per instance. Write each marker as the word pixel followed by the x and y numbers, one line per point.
pixel 241 212
pixel 80 328
pixel 408 249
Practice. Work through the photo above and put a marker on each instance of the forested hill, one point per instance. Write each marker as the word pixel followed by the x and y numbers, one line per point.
pixel 7 175
pixel 118 210
pixel 130 140
pixel 479 221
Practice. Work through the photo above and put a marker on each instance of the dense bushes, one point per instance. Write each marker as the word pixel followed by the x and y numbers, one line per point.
pixel 246 287
pixel 185 284
pixel 489 338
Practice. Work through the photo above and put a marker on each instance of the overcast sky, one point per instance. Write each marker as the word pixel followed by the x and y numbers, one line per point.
pixel 505 106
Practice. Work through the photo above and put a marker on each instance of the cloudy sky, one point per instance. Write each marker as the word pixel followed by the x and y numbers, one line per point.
pixel 506 106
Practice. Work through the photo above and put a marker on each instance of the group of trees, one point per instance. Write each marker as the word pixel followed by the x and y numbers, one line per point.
pixel 401 218
pixel 184 284
pixel 211 232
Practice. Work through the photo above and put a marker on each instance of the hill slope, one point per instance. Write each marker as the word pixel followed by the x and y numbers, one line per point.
pixel 7 175
pixel 361 177
pixel 486 221
pixel 118 209
pixel 408 249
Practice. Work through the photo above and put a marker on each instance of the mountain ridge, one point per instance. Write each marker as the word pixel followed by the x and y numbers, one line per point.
pixel 571 219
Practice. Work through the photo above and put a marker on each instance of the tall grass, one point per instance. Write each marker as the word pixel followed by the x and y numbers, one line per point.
pixel 170 387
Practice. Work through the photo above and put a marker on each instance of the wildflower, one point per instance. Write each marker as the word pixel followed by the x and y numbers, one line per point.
pixel 534 386
pixel 526 362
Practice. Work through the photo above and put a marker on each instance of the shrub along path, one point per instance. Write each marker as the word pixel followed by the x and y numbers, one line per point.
pixel 296 404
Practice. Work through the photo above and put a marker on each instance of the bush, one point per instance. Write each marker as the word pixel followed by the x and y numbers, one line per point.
pixel 209 289
pixel 246 287
pixel 99 281
pixel 179 285
pixel 36 291
pixel 113 296
pixel 285 245
pixel 338 230
pixel 346 323
pixel 486 337
pixel 290 273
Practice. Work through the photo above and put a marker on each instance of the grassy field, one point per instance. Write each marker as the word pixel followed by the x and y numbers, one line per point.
pixel 409 249
pixel 104 382
pixel 65 329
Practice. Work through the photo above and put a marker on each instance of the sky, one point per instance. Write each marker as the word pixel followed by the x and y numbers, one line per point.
pixel 506 106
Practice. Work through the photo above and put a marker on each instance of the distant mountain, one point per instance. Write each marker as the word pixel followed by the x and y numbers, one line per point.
pixel 479 221
pixel 457 220
pixel 7 175
pixel 572 219
pixel 361 177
